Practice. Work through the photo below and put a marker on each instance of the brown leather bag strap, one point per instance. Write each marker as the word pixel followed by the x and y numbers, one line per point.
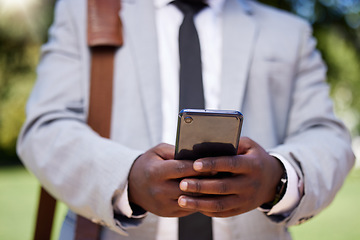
pixel 104 24
pixel 99 118
pixel 45 215
pixel 104 36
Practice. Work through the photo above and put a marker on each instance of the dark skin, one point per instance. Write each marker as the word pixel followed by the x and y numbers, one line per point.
pixel 171 188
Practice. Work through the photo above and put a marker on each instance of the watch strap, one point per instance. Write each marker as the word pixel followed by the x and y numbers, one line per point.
pixel 280 192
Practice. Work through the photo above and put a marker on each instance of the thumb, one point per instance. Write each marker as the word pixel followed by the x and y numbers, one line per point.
pixel 165 151
pixel 245 144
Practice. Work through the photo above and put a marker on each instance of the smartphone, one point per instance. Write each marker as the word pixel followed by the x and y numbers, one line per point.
pixel 207 133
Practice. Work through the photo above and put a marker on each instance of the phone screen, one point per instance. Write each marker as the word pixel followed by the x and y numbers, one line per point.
pixel 207 133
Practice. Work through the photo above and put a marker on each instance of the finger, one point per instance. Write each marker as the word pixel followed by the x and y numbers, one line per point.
pixel 174 192
pixel 241 184
pixel 180 212
pixel 210 204
pixel 165 198
pixel 224 186
pixel 168 190
pixel 174 169
pixel 172 209
pixel 230 213
pixel 235 164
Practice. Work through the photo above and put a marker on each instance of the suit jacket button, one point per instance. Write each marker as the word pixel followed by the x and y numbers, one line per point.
pixel 94 220
pixel 304 219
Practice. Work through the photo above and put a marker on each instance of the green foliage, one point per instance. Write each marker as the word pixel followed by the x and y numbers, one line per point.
pixel 343 63
pixel 12 108
pixel 17 76
pixel 22 30
pixel 336 25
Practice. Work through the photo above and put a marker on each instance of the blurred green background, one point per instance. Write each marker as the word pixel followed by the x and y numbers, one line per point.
pixel 23 28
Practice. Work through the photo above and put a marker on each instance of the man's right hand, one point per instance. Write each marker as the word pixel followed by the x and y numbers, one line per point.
pixel 154 181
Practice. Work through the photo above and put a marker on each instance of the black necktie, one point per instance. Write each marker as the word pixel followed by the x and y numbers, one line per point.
pixel 195 226
pixel 191 86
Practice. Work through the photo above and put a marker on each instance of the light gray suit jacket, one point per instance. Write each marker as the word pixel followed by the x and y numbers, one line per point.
pixel 271 72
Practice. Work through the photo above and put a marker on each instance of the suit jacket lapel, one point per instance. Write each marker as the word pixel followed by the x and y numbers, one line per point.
pixel 239 35
pixel 139 26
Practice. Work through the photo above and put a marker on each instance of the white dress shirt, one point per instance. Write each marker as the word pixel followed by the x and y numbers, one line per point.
pixel 208 24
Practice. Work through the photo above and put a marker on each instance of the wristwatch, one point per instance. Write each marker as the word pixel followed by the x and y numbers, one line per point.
pixel 280 192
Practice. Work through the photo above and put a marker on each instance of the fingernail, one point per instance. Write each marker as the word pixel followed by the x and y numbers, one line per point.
pixel 182 202
pixel 198 165
pixel 184 185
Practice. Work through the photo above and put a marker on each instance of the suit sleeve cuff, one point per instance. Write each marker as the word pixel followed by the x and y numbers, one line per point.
pixel 122 206
pixel 292 195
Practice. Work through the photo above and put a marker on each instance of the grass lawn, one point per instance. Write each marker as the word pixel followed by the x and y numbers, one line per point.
pixel 19 195
pixel 340 221
pixel 19 192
